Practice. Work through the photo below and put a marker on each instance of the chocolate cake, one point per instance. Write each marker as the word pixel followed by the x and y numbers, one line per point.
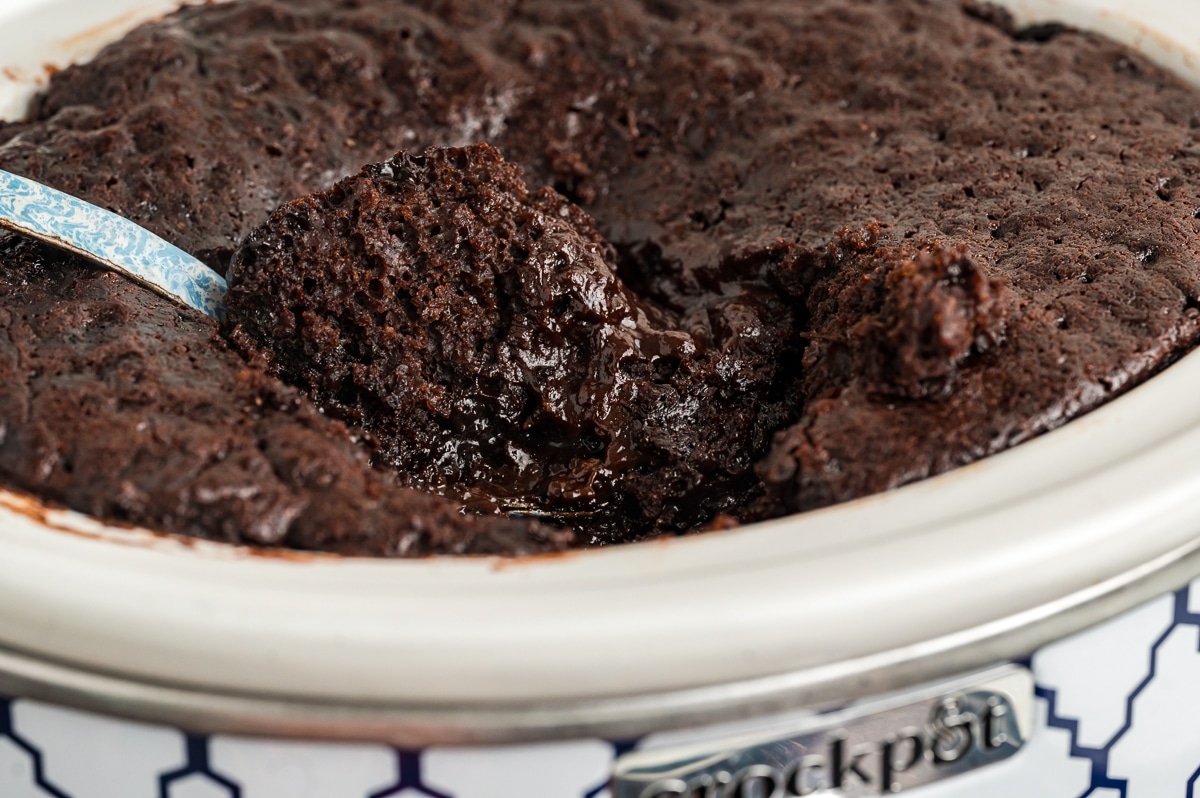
pixel 613 270
pixel 480 333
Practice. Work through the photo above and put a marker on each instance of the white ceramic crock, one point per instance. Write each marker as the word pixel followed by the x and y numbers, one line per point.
pixel 258 676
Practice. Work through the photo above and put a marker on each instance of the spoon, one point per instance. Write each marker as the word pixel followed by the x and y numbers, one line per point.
pixel 110 241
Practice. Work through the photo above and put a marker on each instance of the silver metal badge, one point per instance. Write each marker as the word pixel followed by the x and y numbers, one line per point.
pixel 878 748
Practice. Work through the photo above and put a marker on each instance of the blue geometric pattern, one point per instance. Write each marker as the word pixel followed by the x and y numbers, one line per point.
pixel 32 209
pixel 408 767
pixel 1099 757
pixel 410 781
pixel 35 756
pixel 196 765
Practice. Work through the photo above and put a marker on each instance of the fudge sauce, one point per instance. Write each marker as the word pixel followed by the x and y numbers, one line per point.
pixel 613 270
pixel 481 334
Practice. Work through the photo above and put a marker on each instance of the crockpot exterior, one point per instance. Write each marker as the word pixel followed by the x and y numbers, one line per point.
pixel 1115 714
pixel 165 705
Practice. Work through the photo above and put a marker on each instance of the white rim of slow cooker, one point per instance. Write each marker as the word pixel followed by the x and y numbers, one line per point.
pixel 981 565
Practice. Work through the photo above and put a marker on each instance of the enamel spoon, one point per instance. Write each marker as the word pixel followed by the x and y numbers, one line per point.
pixel 111 241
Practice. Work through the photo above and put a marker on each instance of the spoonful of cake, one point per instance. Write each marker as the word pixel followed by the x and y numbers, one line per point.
pixel 110 241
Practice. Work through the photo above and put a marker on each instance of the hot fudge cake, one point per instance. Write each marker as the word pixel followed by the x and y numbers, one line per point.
pixel 611 270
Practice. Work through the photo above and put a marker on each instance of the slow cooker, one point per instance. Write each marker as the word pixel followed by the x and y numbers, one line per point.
pixel 1023 626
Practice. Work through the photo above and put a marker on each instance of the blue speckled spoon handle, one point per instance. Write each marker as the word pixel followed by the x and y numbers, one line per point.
pixel 29 208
